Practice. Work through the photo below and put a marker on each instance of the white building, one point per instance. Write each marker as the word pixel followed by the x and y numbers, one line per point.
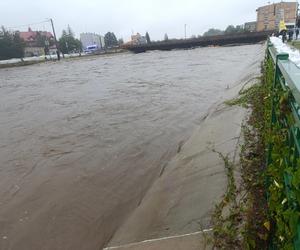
pixel 250 26
pixel 138 39
pixel 88 39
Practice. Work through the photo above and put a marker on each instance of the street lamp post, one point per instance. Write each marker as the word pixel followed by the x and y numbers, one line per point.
pixel 185 31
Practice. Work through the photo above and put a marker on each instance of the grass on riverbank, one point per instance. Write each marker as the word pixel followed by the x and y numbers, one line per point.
pixel 240 221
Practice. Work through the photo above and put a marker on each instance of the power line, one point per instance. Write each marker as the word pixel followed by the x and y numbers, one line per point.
pixel 30 24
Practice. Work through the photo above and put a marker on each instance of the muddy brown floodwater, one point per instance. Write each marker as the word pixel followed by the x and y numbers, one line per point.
pixel 81 141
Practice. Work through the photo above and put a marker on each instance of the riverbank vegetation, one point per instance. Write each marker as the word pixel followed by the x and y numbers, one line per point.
pixel 11 45
pixel 68 43
pixel 230 30
pixel 254 213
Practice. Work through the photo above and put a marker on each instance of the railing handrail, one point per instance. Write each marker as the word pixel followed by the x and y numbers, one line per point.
pixel 289 70
pixel 287 79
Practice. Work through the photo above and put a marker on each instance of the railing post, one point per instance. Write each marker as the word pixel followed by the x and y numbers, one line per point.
pixel 285 98
pixel 276 79
pixel 270 44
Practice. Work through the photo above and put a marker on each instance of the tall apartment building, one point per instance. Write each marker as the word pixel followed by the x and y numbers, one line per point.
pixel 88 39
pixel 269 16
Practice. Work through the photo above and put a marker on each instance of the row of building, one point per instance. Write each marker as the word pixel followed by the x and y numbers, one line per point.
pixel 91 41
pixel 269 16
pixel 34 46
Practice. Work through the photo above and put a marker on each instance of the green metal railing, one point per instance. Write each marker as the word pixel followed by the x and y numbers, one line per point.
pixel 286 115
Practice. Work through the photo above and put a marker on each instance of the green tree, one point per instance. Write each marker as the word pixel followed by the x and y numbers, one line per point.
pixel 213 32
pixel 70 31
pixel 120 41
pixel 43 41
pixel 240 29
pixel 68 43
pixel 231 29
pixel 110 40
pixel 166 38
pixel 11 45
pixel 148 37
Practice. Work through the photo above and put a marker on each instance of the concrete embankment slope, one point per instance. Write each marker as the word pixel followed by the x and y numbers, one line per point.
pixel 194 241
pixel 181 201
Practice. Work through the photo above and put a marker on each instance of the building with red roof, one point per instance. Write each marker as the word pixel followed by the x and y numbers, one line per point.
pixel 36 41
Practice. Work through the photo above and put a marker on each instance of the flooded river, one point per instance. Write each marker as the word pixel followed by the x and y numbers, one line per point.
pixel 82 140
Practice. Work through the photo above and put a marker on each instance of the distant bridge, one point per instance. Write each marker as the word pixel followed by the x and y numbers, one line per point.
pixel 235 39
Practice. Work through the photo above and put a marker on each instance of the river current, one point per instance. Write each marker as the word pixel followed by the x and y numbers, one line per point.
pixel 82 140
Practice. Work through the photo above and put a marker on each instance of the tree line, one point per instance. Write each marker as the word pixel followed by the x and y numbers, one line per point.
pixel 231 29
pixel 13 46
pixel 68 43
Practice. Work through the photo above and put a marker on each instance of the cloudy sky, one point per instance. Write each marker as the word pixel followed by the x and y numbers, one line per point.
pixel 126 16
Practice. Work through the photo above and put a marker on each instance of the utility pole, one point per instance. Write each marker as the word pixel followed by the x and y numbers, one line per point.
pixel 55 40
pixel 100 40
pixel 185 31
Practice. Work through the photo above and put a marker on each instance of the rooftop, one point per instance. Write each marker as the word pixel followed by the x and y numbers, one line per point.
pixel 30 35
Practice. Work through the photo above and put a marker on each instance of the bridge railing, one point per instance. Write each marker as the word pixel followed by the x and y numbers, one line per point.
pixel 220 40
pixel 286 117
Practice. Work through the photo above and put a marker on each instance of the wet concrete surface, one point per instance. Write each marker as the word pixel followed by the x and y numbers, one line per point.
pixel 82 141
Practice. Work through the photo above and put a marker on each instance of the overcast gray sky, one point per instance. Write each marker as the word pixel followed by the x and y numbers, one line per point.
pixel 124 16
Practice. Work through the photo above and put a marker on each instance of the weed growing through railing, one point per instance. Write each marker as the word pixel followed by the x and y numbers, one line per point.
pixel 227 215
pixel 283 168
pixel 253 162
pixel 248 226
pixel 264 217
